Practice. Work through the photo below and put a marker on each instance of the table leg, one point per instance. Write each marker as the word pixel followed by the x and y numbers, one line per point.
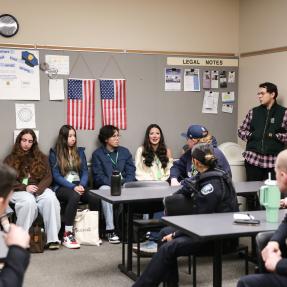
pixel 217 263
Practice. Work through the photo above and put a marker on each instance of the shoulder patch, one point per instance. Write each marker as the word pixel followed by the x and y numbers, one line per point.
pixel 207 189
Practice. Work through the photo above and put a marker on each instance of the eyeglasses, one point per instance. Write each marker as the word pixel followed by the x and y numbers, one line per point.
pixel 261 93
pixel 116 136
pixel 25 140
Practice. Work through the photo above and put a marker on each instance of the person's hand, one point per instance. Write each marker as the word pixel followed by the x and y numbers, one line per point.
pixel 272 261
pixel 17 236
pixel 79 189
pixel 283 202
pixel 271 249
pixel 32 188
pixel 168 237
pixel 174 182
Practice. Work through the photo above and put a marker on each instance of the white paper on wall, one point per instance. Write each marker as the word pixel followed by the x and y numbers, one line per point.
pixel 25 116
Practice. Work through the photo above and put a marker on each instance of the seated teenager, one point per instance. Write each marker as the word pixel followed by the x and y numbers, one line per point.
pixel 32 192
pixel 213 192
pixel 153 161
pixel 183 167
pixel 70 179
pixel 107 158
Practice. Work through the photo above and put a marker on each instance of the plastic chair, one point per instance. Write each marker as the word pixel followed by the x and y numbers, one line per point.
pixel 144 225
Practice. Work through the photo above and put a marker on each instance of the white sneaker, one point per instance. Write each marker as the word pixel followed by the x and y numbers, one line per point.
pixel 70 241
pixel 113 238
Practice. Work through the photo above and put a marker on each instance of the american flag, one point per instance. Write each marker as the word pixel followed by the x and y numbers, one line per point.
pixel 113 99
pixel 81 104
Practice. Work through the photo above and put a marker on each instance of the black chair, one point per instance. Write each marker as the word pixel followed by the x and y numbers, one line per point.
pixel 262 238
pixel 144 225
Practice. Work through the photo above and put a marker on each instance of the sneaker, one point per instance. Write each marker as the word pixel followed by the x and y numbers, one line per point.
pixel 147 249
pixel 70 241
pixel 113 238
pixel 53 245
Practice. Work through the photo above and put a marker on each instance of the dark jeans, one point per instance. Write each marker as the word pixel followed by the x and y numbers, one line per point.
pixel 163 265
pixel 70 198
pixel 263 280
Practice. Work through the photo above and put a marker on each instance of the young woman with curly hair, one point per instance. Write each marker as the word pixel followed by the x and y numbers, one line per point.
pixel 70 179
pixel 153 159
pixel 32 192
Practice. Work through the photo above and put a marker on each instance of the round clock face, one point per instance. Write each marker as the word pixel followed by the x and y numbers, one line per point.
pixel 9 25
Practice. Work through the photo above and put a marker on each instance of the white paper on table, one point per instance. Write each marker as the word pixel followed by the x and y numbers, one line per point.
pixel 172 79
pixel 16 133
pixel 242 216
pixel 191 80
pixel 59 62
pixel 25 116
pixel 231 77
pixel 214 79
pixel 210 102
pixel 227 108
pixel 227 97
pixel 56 89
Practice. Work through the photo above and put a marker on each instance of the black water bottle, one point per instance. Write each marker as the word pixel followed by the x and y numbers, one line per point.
pixel 116 186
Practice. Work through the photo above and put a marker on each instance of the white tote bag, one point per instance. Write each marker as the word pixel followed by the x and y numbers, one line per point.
pixel 86 227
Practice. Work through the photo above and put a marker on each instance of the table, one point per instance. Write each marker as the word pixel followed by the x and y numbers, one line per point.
pixel 217 226
pixel 130 196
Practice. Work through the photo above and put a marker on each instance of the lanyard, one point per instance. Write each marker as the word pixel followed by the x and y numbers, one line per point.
pixel 113 162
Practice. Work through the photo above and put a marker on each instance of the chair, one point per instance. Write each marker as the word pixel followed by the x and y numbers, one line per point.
pixel 261 240
pixel 144 225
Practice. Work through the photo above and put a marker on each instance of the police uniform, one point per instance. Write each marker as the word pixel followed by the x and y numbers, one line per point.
pixel 213 192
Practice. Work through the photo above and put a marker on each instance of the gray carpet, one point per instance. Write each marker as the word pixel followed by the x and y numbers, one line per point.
pixel 97 266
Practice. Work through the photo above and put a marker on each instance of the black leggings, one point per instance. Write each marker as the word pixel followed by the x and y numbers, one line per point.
pixel 70 199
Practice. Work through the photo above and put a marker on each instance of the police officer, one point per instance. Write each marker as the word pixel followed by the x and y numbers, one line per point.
pixel 209 197
pixel 183 167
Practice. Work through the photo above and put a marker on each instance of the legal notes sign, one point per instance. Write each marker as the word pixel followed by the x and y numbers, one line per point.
pixel 211 62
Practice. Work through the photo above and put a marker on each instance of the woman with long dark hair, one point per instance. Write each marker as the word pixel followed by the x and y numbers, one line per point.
pixel 70 179
pixel 32 192
pixel 153 159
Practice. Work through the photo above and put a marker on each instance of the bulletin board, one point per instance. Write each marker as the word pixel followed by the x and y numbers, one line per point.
pixel 147 102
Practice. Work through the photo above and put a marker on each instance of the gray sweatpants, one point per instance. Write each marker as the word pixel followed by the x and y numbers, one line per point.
pixel 27 206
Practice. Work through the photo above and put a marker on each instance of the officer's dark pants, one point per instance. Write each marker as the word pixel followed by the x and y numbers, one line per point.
pixel 163 265
pixel 263 280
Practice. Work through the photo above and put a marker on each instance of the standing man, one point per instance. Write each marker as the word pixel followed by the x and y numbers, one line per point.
pixel 275 263
pixel 265 131
pixel 16 239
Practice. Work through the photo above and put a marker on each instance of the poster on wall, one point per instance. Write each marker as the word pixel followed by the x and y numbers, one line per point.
pixel 25 116
pixel 19 75
pixel 191 80
pixel 172 79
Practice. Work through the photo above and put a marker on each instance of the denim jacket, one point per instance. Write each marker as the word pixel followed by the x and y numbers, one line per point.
pixel 59 180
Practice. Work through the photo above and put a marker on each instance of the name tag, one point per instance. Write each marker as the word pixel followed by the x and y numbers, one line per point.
pixel 25 181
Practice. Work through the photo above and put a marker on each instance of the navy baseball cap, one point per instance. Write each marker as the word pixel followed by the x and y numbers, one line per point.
pixel 195 132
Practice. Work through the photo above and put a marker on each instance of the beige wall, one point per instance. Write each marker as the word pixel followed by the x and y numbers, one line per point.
pixel 183 25
pixel 262 25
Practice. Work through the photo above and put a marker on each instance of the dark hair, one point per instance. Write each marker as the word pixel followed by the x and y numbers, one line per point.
pixel 270 88
pixel 203 152
pixel 7 180
pixel 106 132
pixel 31 161
pixel 62 151
pixel 148 152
